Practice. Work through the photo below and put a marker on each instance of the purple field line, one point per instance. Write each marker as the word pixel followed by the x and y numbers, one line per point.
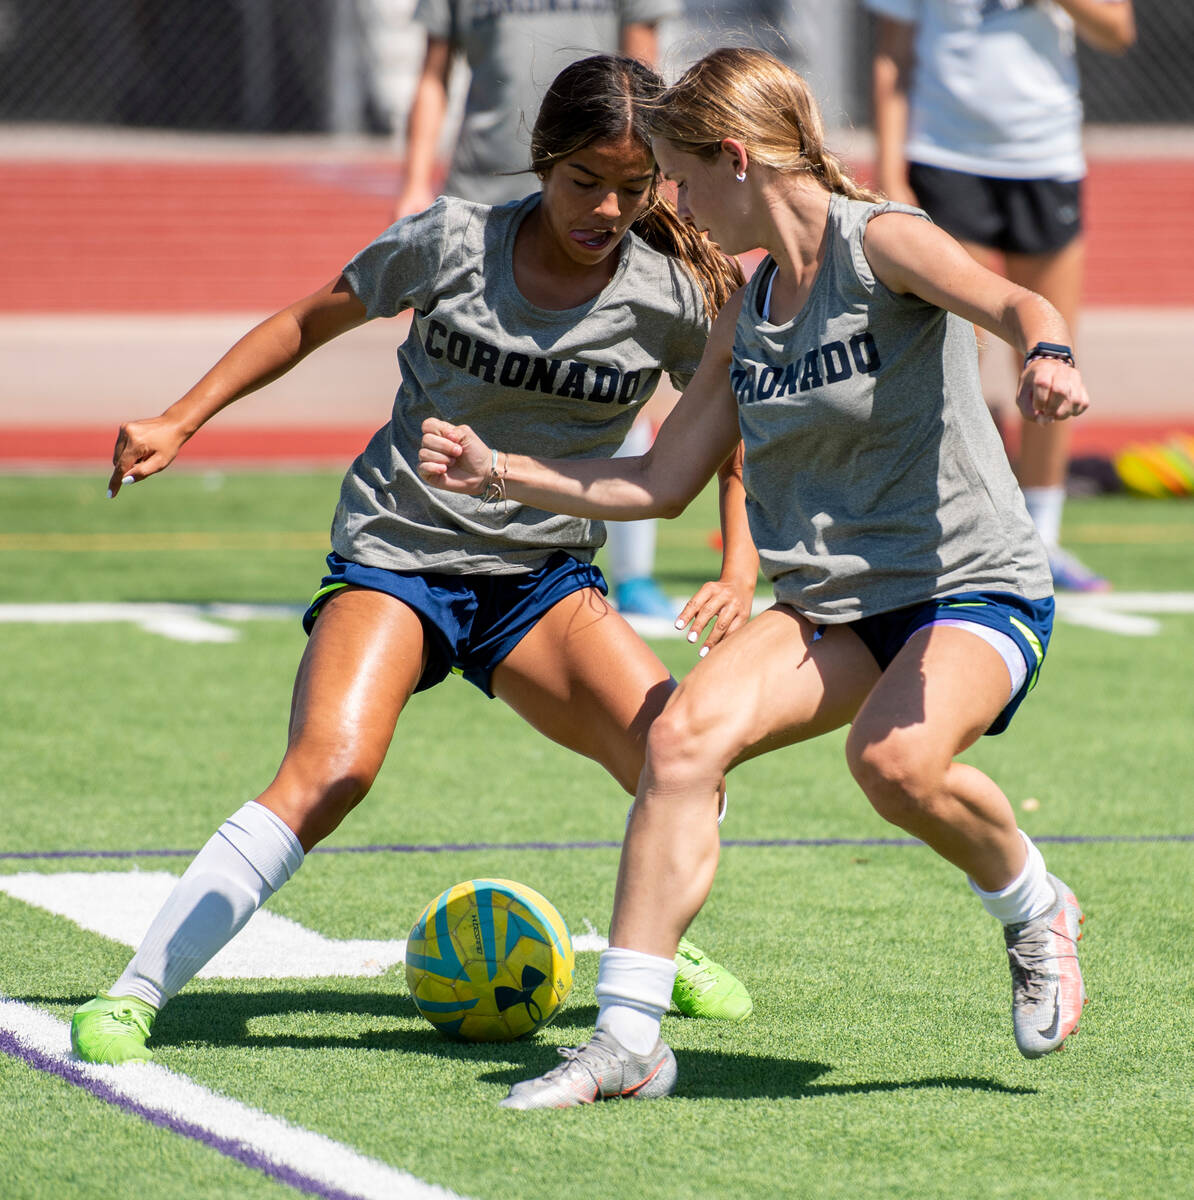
pixel 457 847
pixel 73 1074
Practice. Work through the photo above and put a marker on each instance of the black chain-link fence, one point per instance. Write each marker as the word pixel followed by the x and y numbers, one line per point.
pixel 251 65
pixel 347 65
pixel 1153 82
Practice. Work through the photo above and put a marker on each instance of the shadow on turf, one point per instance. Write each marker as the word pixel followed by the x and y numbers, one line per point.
pixel 707 1074
pixel 222 1020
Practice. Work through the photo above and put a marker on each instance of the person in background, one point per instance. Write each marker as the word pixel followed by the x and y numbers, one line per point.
pixel 978 121
pixel 512 53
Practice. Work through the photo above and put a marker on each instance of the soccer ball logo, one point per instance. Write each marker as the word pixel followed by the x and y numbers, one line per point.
pixel 489 960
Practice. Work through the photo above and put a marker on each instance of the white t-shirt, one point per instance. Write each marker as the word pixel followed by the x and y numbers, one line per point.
pixel 995 87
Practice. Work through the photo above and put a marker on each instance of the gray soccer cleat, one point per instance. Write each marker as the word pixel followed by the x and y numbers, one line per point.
pixel 602 1069
pixel 1047 990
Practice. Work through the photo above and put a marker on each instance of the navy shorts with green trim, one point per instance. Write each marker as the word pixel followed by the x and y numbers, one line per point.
pixel 471 622
pixel 1029 623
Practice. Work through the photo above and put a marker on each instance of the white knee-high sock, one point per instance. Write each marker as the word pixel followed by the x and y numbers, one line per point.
pixel 244 862
pixel 633 992
pixel 1029 896
pixel 631 544
pixel 631 549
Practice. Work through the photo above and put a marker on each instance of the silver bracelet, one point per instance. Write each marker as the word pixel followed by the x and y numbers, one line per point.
pixel 495 485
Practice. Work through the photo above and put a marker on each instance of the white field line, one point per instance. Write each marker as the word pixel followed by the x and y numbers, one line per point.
pixel 1108 620
pixel 179 622
pixel 120 904
pixel 1122 612
pixel 301 1158
pixel 1113 612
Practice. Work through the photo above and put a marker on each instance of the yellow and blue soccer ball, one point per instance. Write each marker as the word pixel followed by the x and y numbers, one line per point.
pixel 489 960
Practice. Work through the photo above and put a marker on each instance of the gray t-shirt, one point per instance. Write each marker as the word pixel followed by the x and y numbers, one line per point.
pixel 563 384
pixel 875 476
pixel 515 48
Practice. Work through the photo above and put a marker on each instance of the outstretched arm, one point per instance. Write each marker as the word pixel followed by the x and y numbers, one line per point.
pixel 264 354
pixel 911 256
pixel 698 436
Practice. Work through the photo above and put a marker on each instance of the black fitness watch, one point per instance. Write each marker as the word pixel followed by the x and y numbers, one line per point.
pixel 1050 350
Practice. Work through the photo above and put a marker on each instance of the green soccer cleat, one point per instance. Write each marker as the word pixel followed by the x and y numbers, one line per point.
pixel 704 988
pixel 112 1029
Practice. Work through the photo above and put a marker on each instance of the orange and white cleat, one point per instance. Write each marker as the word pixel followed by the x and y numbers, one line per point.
pixel 1047 989
pixel 603 1069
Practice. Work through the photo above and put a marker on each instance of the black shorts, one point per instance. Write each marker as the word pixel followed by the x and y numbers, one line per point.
pixel 1017 216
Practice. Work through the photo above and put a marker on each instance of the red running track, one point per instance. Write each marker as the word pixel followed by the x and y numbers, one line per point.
pixel 179 237
pixel 218 237
pixel 336 447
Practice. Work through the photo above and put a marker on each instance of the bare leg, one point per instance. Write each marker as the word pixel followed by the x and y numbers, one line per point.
pixel 362 662
pixel 768 685
pixel 584 678
pixel 938 696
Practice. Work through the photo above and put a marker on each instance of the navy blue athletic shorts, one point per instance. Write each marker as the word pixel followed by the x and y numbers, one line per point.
pixel 1018 216
pixel 471 622
pixel 1029 623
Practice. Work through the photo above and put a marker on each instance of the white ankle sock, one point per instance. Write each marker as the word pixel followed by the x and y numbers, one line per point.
pixel 1045 505
pixel 1029 896
pixel 633 992
pixel 244 862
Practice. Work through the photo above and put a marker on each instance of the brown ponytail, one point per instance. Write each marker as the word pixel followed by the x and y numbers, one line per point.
pixel 603 98
pixel 719 275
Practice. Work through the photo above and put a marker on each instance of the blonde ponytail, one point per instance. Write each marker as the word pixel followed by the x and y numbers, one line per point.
pixel 750 95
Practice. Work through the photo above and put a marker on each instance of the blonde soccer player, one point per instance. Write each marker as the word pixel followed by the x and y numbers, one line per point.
pixel 913 595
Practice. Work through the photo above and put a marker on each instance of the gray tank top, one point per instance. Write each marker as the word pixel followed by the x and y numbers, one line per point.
pixel 875 476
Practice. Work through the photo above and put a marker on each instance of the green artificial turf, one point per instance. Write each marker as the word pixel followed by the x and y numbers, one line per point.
pixel 879 1060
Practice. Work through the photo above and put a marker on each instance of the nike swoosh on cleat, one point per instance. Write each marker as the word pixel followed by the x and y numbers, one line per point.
pixel 1050 1031
pixel 642 1083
